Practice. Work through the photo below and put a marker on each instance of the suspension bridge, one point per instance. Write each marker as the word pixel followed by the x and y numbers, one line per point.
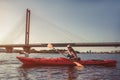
pixel 27 46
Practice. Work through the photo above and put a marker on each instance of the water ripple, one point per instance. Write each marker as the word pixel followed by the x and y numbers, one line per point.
pixel 11 69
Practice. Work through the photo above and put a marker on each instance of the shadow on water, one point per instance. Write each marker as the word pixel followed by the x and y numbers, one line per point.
pixel 48 73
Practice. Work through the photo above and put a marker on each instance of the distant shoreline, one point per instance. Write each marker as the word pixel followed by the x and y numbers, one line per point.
pixel 61 50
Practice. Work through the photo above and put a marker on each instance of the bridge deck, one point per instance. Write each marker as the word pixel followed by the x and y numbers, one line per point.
pixel 107 44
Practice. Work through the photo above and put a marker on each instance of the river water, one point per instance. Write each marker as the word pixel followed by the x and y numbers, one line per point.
pixel 12 69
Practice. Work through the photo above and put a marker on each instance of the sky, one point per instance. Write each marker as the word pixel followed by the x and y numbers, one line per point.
pixel 60 21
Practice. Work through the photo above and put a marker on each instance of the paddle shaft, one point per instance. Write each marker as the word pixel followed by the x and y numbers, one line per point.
pixel 59 52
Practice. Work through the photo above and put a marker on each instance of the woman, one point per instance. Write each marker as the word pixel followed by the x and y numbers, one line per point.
pixel 71 53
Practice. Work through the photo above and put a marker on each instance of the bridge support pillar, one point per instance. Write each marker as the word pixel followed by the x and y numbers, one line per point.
pixel 26 49
pixel 9 49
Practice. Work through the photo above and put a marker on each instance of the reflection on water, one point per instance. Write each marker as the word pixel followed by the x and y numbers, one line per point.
pixel 11 69
pixel 48 73
pixel 68 73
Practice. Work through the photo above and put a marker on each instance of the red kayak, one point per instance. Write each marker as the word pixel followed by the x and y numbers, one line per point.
pixel 63 61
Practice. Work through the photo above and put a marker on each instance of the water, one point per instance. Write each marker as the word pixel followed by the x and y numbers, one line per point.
pixel 12 69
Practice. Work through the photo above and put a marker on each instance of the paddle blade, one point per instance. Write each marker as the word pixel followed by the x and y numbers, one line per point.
pixel 50 45
pixel 78 64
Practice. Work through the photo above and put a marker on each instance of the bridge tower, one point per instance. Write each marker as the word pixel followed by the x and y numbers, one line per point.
pixel 27 31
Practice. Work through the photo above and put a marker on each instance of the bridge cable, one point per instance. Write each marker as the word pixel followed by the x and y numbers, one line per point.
pixel 66 33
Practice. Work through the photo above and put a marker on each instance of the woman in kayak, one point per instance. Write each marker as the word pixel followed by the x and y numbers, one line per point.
pixel 71 53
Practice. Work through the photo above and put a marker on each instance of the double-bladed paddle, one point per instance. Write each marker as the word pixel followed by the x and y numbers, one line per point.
pixel 75 62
